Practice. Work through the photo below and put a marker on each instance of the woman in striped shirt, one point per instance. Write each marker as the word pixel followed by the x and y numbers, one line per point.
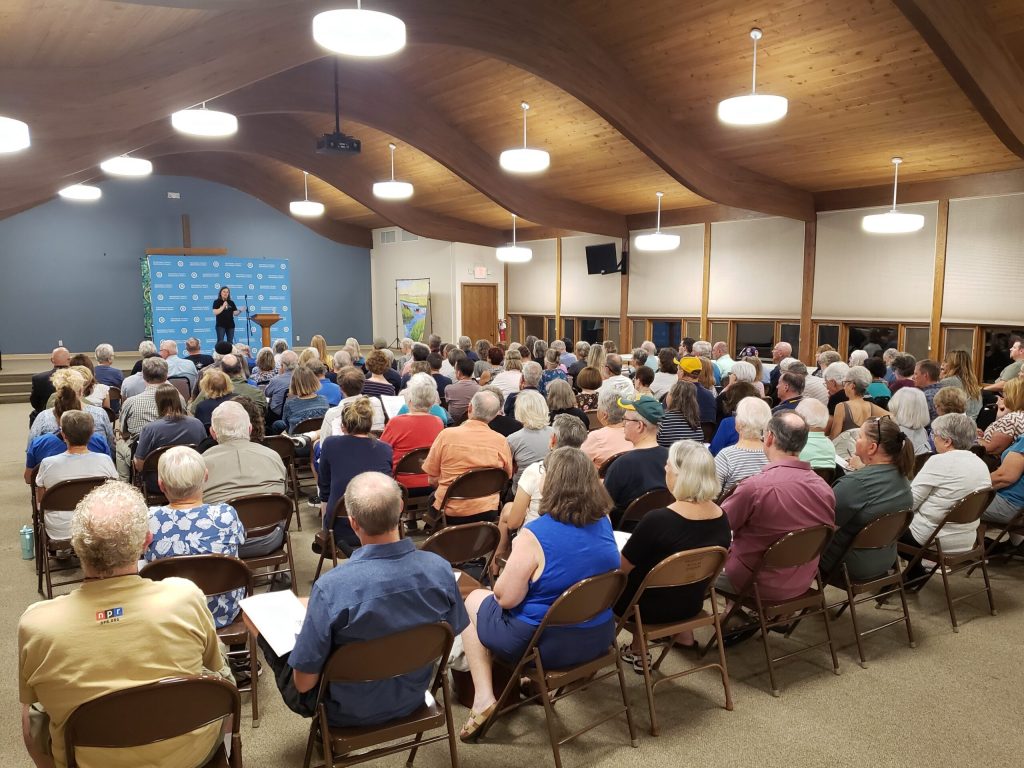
pixel 746 457
pixel 682 416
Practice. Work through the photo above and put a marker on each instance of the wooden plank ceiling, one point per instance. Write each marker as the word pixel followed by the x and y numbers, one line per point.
pixel 623 95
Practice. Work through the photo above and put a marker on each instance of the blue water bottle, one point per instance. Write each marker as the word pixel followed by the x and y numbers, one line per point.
pixel 28 544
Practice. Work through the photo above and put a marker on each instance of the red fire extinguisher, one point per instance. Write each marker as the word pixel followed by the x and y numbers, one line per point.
pixel 502 329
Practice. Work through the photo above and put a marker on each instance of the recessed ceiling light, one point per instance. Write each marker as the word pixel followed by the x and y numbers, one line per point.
pixel 127 166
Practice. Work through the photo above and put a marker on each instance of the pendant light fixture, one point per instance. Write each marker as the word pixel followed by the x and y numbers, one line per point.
pixel 514 254
pixel 657 240
pixel 306 207
pixel 893 222
pixel 392 190
pixel 13 135
pixel 127 166
pixel 81 192
pixel 355 32
pixel 755 108
pixel 200 121
pixel 524 159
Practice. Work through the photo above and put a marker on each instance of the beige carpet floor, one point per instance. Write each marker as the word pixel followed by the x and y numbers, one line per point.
pixel 954 700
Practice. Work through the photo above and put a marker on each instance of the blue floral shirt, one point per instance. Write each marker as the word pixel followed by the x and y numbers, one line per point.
pixel 210 528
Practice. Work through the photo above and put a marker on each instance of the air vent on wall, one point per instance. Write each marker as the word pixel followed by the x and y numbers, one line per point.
pixel 388 236
pixel 408 237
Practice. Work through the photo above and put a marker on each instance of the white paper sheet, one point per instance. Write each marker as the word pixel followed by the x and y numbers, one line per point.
pixel 278 616
pixel 621 537
pixel 392 404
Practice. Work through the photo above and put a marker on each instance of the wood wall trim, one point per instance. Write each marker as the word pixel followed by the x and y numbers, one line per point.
pixel 625 331
pixel 807 345
pixel 558 287
pixel 973 185
pixel 504 306
pixel 965 39
pixel 705 329
pixel 186 231
pixel 939 284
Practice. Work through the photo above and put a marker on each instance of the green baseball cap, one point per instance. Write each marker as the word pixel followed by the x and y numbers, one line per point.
pixel 646 406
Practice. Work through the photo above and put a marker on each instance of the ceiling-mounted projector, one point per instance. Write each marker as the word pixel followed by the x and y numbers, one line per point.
pixel 338 142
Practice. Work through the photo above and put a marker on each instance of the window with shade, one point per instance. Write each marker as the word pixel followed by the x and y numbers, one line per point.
pixel 611 331
pixel 533 325
pixel 591 329
pixel 828 334
pixel 915 341
pixel 998 342
pixel 754 334
pixel 873 339
pixel 666 333
pixel 569 327
pixel 639 331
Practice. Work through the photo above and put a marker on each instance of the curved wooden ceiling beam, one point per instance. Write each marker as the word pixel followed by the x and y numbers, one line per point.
pixel 288 141
pixel 538 37
pixel 233 170
pixel 968 43
pixel 385 102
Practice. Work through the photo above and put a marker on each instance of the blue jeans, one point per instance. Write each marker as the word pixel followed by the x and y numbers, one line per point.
pixel 225 334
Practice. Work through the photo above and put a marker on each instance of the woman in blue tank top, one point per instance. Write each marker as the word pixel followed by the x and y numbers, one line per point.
pixel 572 540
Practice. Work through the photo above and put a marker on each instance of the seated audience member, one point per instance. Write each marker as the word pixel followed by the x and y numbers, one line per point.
pixel 565 358
pixel 105 371
pixel 834 376
pixel 495 358
pixel 721 358
pixel 502 424
pixel 93 393
pixel 231 366
pixel 277 388
pixel 652 354
pixel 948 476
pixel 857 358
pixel 958 371
pixel 76 428
pixel 42 386
pixel 188 526
pixel 824 359
pixel 509 378
pixel 54 443
pixel 279 346
pixel 553 370
pixel 887 358
pixel 138 411
pixel 525 506
pixel 178 367
pixel 643 379
pixel 760 375
pixel 903 366
pixel 1009 423
pixel 562 400
pixel 741 372
pixel 707 378
pixel 215 387
pixel 466 345
pixel 667 375
pixel 878 390
pixel 530 379
pixel 416 429
pixel 420 353
pixel 789 390
pixel 533 441
pixel 692 521
pixel 69 385
pixel 343 456
pixel 68 657
pixel 376 382
pixel 926 378
pixel 570 542
pixel 587 383
pixel 403 357
pixel 614 380
pixel 352 345
pixel 540 348
pixel 856 410
pixel 813 386
pixel 303 402
pixel 643 468
pixel 134 384
pixel 581 350
pixel 194 353
pixel 1011 371
pixel 319 343
pixel 172 427
pixel 342 359
pixel 351 380
pixel 819 452
pixel 442 381
pixel 255 413
pixel 682 417
pixel 1008 480
pixel 610 440
pixel 785 496
pixel 386 586
pixel 471 445
pixel 726 433
pixel 880 486
pixel 328 390
pixel 950 400
pixel 435 409
pixel 909 410
pixel 747 457
pixel 691 369
pixel 449 357
pixel 780 352
pixel 638 360
pixel 459 393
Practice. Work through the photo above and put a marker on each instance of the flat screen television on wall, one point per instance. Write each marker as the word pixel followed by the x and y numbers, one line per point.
pixel 602 259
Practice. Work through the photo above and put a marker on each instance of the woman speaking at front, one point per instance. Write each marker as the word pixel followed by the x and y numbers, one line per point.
pixel 224 310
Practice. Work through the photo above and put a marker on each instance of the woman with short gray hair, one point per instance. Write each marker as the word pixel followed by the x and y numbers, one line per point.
pixel 187 526
pixel 745 458
pixel 909 410
pixel 856 410
pixel 533 442
pixel 414 430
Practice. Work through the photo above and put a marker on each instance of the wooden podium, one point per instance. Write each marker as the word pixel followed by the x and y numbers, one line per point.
pixel 265 320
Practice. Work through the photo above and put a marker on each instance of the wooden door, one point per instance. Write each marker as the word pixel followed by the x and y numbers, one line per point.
pixel 480 311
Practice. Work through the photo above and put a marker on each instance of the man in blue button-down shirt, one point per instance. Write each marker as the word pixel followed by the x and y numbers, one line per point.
pixel 385 587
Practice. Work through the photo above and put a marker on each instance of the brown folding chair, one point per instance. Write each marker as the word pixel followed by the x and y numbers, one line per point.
pixel 149 470
pixel 579 603
pixel 460 544
pixel 606 464
pixel 475 484
pixel 967 510
pixel 919 461
pixel 790 550
pixel 262 514
pixel 677 570
pixel 181 384
pixel 60 497
pixel 384 658
pixel 146 714
pixel 880 533
pixel 309 425
pixel 285 448
pixel 412 464
pixel 592 421
pixel 991 461
pixel 214 575
pixel 828 474
pixel 656 499
pixel 726 493
pixel 324 539
pixel 1013 527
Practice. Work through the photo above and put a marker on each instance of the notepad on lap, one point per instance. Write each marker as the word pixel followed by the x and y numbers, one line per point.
pixel 621 537
pixel 278 616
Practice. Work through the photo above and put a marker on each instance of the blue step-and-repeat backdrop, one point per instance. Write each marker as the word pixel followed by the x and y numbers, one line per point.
pixel 179 292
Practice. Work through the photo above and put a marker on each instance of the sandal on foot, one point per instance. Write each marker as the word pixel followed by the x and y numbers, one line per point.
pixel 475 723
pixel 633 658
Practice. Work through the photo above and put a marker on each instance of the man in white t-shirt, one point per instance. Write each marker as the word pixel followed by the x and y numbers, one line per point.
pixel 567 432
pixel 614 380
pixel 78 462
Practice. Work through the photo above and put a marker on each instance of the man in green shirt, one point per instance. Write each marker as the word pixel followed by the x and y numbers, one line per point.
pixel 1012 371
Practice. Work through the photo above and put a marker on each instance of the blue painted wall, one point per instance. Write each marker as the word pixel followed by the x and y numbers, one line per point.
pixel 70 270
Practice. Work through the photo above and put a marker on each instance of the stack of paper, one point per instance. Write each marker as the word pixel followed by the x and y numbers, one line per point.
pixel 278 616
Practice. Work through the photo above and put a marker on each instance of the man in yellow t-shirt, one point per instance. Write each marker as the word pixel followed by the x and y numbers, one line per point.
pixel 116 631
